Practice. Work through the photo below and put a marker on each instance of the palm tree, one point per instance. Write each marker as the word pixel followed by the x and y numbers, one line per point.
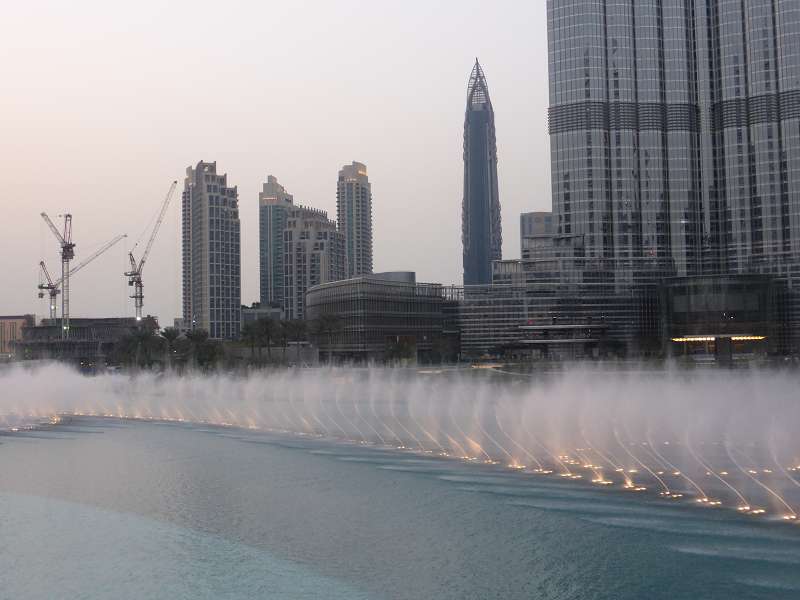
pixel 296 332
pixel 327 324
pixel 197 339
pixel 137 347
pixel 250 336
pixel 267 330
pixel 125 350
pixel 283 335
pixel 205 352
pixel 170 334
pixel 211 351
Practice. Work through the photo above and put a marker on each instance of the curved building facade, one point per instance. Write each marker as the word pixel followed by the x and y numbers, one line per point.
pixel 379 317
pixel 482 234
pixel 624 128
pixel 675 134
pixel 674 129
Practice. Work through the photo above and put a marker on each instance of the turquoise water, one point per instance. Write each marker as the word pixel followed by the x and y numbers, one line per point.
pixel 112 509
pixel 57 549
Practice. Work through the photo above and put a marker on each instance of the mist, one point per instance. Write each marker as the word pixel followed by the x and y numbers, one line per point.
pixel 707 438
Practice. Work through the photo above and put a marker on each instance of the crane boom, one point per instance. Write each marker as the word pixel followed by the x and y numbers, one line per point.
pixel 157 226
pixel 96 254
pixel 54 229
pixel 52 289
pixel 135 274
pixel 46 275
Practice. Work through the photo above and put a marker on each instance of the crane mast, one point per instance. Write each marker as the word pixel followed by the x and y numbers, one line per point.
pixel 67 254
pixel 52 287
pixel 135 274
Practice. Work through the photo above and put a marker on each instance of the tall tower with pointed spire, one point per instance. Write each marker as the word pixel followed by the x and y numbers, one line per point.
pixel 482 234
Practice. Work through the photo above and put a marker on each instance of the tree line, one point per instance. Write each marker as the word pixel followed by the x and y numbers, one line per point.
pixel 169 348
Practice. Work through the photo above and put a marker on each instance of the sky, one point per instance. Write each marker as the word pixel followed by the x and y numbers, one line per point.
pixel 104 104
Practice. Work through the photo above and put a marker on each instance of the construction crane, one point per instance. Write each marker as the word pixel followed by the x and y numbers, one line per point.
pixel 52 287
pixel 67 254
pixel 135 274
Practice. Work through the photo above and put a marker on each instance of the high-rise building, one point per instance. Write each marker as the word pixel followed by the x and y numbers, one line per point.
pixel 273 206
pixel 354 214
pixel 481 234
pixel 211 252
pixel 535 232
pixel 314 253
pixel 535 223
pixel 674 131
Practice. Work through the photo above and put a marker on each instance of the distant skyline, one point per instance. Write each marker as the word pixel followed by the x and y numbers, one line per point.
pixel 105 105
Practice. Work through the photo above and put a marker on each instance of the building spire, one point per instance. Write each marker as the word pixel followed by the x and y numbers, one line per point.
pixel 478 90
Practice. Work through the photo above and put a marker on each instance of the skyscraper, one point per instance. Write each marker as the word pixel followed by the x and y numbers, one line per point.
pixel 354 214
pixel 535 232
pixel 674 131
pixel 211 253
pixel 314 253
pixel 535 223
pixel 273 205
pixel 482 234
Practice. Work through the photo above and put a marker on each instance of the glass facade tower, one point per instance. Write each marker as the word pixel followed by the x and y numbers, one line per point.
pixel 274 203
pixel 482 234
pixel 354 214
pixel 211 253
pixel 675 131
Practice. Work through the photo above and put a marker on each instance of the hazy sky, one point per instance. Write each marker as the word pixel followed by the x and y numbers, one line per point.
pixel 103 104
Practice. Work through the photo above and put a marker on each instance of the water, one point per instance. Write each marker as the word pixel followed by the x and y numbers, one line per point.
pixel 723 439
pixel 399 484
pixel 103 508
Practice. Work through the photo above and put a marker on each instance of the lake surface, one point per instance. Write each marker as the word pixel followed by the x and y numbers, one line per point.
pixel 101 508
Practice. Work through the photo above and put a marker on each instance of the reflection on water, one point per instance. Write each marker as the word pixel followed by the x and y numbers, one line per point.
pixel 124 509
pixel 62 549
